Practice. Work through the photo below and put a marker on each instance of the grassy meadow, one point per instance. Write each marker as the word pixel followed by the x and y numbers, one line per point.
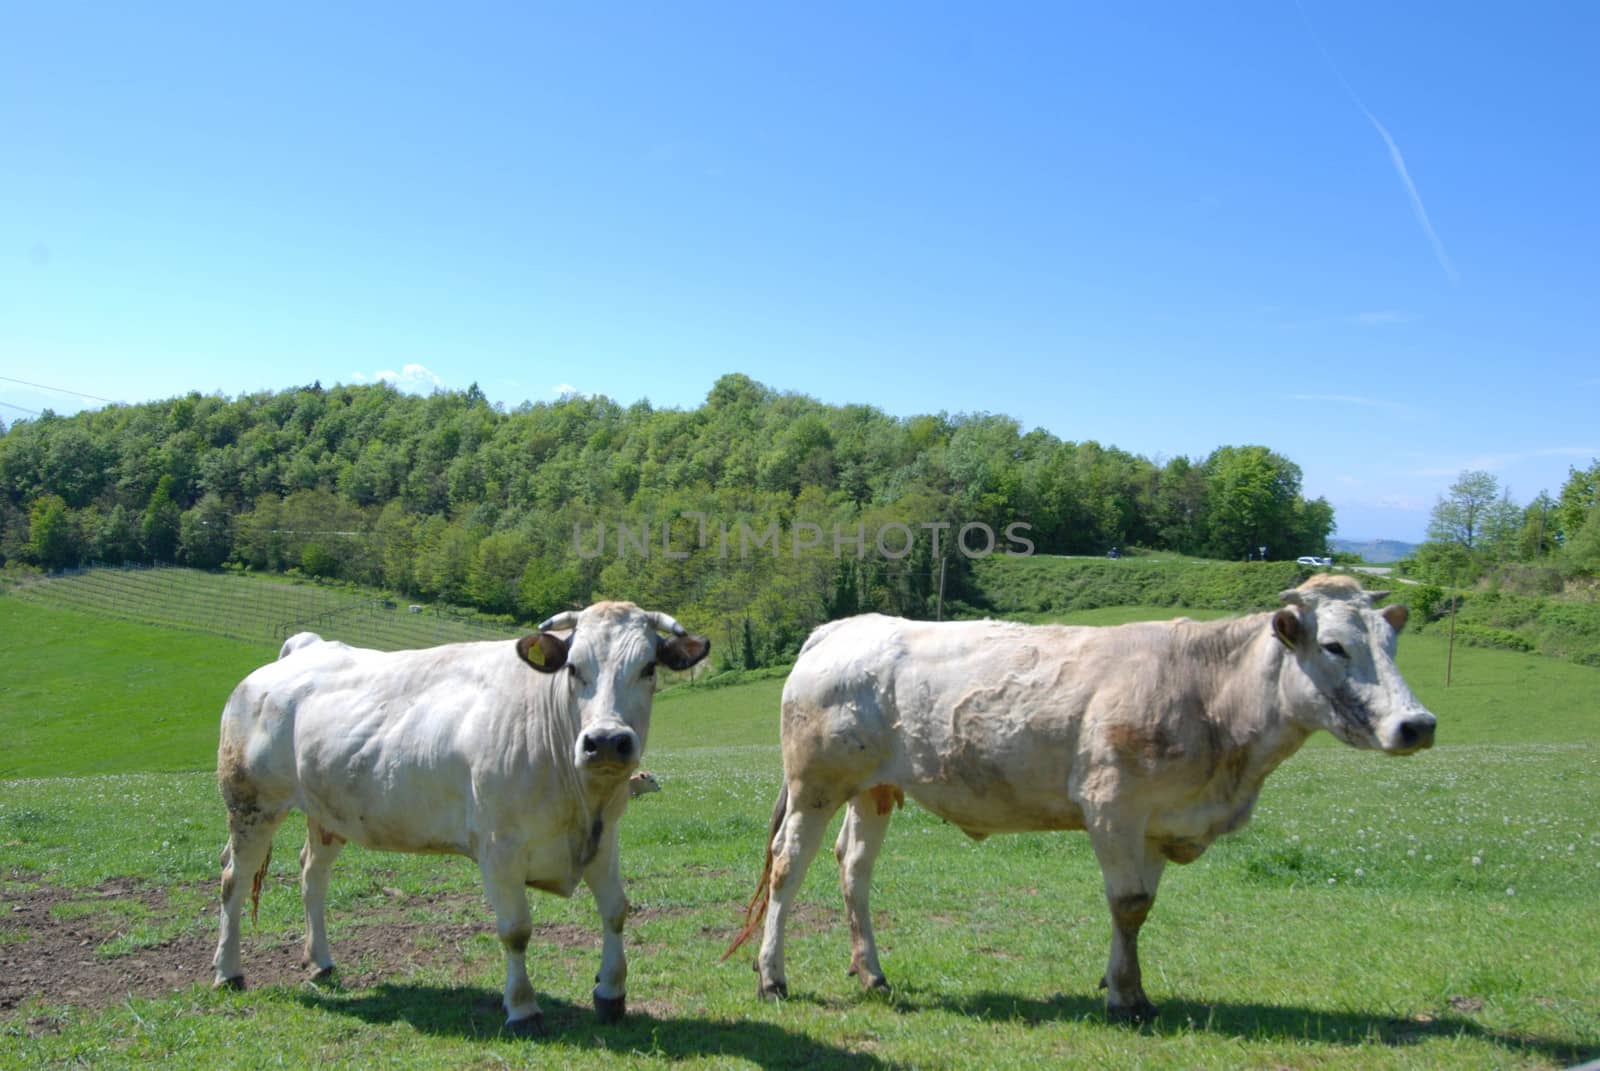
pixel 1436 911
pixel 257 608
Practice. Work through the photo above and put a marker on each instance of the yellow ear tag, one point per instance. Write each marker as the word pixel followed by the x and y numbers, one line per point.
pixel 536 652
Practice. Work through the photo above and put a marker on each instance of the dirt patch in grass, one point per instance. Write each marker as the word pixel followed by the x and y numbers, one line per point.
pixel 58 961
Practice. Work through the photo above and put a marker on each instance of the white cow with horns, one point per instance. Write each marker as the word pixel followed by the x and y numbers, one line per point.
pixel 515 753
pixel 1154 738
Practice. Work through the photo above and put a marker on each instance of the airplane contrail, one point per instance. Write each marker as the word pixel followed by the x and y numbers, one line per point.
pixel 1418 209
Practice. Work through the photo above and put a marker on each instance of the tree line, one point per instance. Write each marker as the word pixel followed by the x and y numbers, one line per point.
pixel 1478 533
pixel 450 498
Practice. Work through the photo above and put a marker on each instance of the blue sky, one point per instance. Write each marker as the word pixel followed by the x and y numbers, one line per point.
pixel 1361 234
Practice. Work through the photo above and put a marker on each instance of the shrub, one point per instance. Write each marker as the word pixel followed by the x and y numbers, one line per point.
pixel 1427 602
pixel 1044 585
pixel 1485 636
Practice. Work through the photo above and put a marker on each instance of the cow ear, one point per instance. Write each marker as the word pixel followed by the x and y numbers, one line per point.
pixel 681 652
pixel 1287 627
pixel 544 651
pixel 1397 616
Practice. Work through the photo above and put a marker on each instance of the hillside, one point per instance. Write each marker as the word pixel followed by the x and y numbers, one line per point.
pixel 1045 586
pixel 84 669
pixel 763 512
pixel 255 609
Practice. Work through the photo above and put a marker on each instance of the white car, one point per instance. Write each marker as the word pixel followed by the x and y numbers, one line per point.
pixel 1310 559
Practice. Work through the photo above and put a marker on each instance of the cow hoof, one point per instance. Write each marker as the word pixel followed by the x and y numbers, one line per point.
pixel 1139 1013
pixel 235 983
pixel 531 1026
pixel 322 974
pixel 773 991
pixel 874 983
pixel 609 1009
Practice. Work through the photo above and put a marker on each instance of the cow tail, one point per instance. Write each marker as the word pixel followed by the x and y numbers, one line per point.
pixel 756 911
pixel 255 886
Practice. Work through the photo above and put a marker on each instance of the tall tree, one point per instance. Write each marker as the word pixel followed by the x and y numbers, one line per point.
pixel 162 518
pixel 53 540
pixel 1471 513
pixel 1579 495
pixel 1252 498
pixel 205 533
pixel 117 541
pixel 1538 536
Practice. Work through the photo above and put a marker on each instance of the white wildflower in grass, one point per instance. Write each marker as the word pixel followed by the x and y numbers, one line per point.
pixel 1511 890
pixel 1411 853
pixel 1333 881
pixel 1427 858
pixel 1360 873
pixel 1477 860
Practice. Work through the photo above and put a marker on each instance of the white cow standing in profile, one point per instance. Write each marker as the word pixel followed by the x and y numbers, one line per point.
pixel 516 754
pixel 1155 738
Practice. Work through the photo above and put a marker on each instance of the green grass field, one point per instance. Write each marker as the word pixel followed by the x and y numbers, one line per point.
pixel 1437 911
pixel 89 695
pixel 254 609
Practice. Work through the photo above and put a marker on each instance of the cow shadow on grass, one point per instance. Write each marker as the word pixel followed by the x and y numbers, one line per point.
pixel 453 1011
pixel 1250 1022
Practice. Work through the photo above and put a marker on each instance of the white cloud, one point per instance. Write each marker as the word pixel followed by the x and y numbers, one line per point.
pixel 566 390
pixel 410 377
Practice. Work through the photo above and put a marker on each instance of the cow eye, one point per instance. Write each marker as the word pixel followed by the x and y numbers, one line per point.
pixel 1335 649
pixel 577 678
pixel 649 671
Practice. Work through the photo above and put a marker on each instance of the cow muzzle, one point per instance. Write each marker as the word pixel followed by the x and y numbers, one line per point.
pixel 608 747
pixel 1409 733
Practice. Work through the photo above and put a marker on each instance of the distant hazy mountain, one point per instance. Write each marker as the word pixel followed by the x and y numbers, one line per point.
pixel 1375 550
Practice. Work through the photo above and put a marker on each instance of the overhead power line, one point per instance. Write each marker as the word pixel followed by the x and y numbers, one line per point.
pixel 34 412
pixel 59 390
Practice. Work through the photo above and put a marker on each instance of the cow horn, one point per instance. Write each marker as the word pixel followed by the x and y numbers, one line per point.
pixel 565 619
pixel 1293 596
pixel 664 623
pixel 1375 596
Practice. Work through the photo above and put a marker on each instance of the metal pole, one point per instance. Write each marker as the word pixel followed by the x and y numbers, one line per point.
pixel 938 613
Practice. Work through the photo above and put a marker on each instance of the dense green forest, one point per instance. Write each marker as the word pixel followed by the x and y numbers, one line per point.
pixel 759 511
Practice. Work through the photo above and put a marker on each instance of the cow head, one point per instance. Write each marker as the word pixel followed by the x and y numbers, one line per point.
pixel 608 655
pixel 1345 679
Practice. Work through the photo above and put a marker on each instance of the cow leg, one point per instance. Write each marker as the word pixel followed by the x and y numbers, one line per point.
pixel 604 878
pixel 866 821
pixel 792 851
pixel 316 863
pixel 513 923
pixel 244 865
pixel 1132 871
